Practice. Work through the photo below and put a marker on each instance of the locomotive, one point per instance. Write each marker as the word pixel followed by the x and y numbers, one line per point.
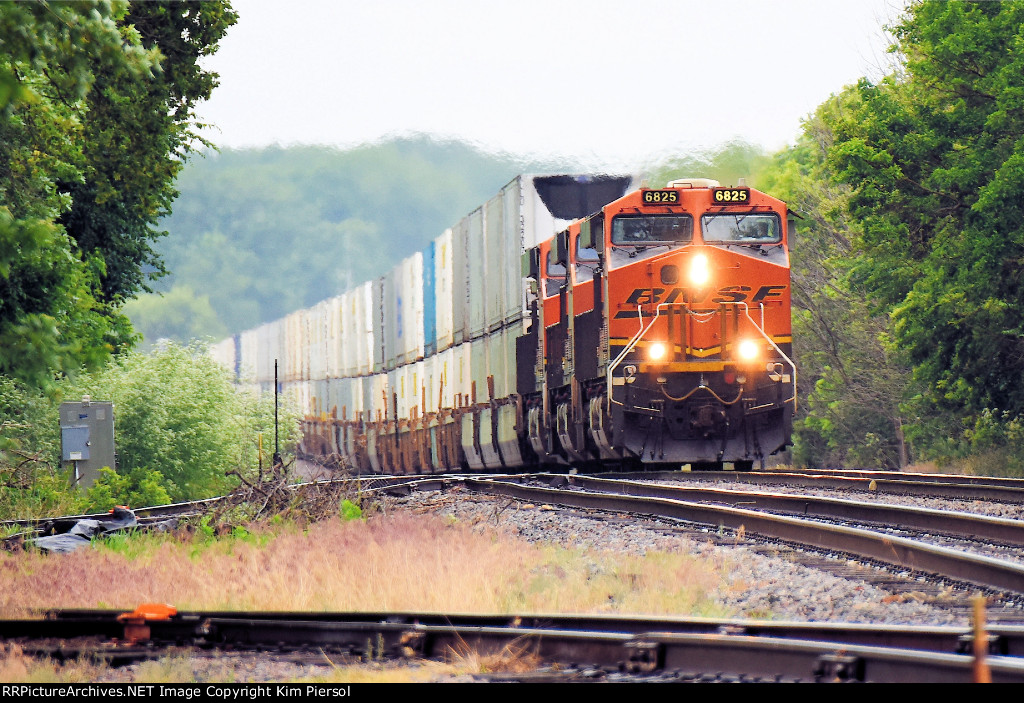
pixel 570 321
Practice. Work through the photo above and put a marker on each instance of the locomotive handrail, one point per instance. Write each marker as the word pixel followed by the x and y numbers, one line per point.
pixel 760 328
pixel 635 339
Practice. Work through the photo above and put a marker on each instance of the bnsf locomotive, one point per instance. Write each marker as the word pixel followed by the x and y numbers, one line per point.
pixel 569 321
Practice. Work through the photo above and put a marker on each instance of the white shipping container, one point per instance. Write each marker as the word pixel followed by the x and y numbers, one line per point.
pixel 443 276
pixel 430 385
pixel 318 322
pixel 291 367
pixel 418 387
pixel 332 343
pixel 444 371
pixel 463 373
pixel 249 342
pixel 512 242
pixel 363 329
pixel 476 260
pixel 355 343
pixel 378 394
pixel 481 369
pixel 271 348
pixel 223 352
pixel 460 281
pixel 494 264
pixel 377 299
pixel 319 404
pixel 410 310
pixel 391 317
pixel 396 393
pixel 350 398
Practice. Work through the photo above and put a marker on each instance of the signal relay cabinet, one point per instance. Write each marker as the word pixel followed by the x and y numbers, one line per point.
pixel 87 439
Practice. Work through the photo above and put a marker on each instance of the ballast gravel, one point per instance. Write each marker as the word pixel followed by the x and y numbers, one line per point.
pixel 756 585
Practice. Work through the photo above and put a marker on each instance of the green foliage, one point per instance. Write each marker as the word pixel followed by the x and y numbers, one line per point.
pixel 66 43
pixel 96 120
pixel 178 314
pixel 850 384
pixel 49 320
pixel 180 426
pixel 135 138
pixel 32 483
pixel 350 511
pixel 136 488
pixel 935 160
pixel 178 414
pixel 907 276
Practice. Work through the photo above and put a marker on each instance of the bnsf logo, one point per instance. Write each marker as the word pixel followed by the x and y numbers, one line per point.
pixel 728 294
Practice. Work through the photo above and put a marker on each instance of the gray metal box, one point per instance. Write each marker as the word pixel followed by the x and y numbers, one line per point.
pixel 87 438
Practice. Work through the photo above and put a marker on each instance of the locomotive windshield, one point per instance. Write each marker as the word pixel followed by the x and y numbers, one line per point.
pixel 647 230
pixel 760 228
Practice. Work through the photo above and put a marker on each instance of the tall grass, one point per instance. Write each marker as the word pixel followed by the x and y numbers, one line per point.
pixel 399 562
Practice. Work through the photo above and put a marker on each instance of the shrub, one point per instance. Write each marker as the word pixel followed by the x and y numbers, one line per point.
pixel 136 488
pixel 180 424
pixel 179 416
pixel 32 483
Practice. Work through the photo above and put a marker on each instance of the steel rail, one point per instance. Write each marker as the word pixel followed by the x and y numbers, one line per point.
pixel 945 521
pixel 810 652
pixel 899 551
pixel 1002 481
pixel 1003 639
pixel 1009 492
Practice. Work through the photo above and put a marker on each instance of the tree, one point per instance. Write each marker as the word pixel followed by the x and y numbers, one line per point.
pixel 850 384
pixel 934 160
pixel 179 414
pixel 79 193
pixel 136 139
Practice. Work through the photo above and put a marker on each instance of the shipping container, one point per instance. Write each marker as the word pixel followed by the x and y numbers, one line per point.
pixel 443 291
pixel 460 281
pixel 429 300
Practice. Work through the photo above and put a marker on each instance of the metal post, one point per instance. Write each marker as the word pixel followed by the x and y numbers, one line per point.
pixel 277 452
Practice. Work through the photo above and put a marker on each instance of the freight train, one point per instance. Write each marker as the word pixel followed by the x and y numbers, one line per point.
pixel 570 321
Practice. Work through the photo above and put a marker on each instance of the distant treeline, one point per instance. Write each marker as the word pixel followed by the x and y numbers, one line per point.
pixel 258 233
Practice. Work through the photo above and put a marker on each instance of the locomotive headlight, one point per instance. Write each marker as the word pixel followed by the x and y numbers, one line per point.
pixel 700 272
pixel 657 351
pixel 748 350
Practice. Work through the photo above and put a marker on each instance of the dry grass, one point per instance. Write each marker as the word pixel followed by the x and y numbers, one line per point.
pixel 387 563
pixel 398 562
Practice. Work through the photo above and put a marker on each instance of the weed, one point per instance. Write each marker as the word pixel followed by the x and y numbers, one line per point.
pixel 350 511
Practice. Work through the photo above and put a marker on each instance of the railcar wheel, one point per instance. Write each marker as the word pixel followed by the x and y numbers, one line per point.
pixel 743 465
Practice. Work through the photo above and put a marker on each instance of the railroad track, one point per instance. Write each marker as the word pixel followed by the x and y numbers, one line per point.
pixel 605 648
pixel 995 575
pixel 564 647
pixel 1007 490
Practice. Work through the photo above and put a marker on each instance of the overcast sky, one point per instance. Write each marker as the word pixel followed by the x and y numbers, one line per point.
pixel 611 83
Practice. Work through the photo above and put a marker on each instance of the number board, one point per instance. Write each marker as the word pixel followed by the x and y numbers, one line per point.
pixel 732 196
pixel 661 197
